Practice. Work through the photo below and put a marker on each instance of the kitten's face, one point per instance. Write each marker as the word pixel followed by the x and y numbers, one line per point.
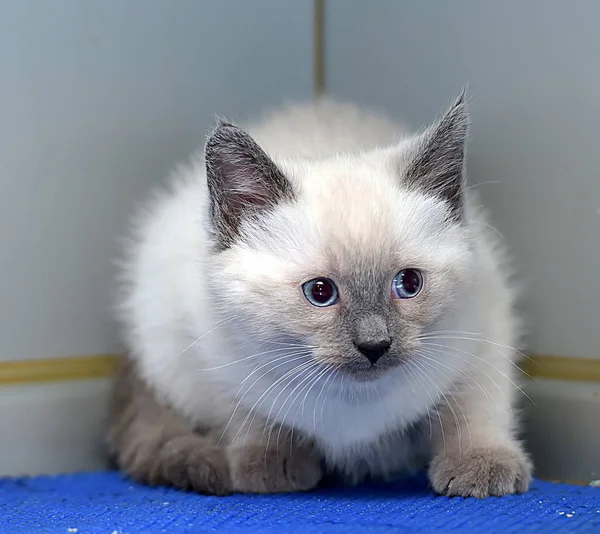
pixel 353 257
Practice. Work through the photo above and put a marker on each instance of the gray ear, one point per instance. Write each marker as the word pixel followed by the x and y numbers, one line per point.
pixel 438 165
pixel 242 181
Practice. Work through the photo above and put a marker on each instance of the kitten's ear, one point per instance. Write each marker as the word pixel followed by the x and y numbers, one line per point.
pixel 242 180
pixel 438 165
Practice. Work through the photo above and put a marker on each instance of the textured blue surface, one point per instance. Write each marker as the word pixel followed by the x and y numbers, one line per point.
pixel 108 504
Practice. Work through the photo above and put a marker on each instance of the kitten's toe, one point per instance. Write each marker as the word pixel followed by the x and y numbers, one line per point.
pixel 190 463
pixel 302 471
pixel 256 471
pixel 481 472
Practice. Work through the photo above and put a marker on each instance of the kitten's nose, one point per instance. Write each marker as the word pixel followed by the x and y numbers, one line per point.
pixel 373 350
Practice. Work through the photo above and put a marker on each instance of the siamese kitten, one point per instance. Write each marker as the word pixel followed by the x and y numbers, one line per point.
pixel 319 295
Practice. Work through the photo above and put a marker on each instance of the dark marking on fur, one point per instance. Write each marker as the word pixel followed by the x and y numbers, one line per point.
pixel 439 166
pixel 242 180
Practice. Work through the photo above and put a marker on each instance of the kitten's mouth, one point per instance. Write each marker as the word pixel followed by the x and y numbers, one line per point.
pixel 368 372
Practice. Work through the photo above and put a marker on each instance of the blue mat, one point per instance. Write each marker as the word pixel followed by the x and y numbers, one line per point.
pixel 105 503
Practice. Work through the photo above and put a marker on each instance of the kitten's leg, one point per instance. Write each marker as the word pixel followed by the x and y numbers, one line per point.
pixel 153 445
pixel 277 465
pixel 477 454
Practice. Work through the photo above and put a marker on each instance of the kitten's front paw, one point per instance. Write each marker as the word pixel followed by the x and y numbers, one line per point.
pixel 185 462
pixel 481 472
pixel 255 471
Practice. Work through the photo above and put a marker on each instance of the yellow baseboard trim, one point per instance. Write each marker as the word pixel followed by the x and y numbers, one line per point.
pixel 58 369
pixel 104 366
pixel 563 368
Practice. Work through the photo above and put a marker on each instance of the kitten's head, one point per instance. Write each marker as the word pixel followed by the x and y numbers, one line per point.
pixel 355 257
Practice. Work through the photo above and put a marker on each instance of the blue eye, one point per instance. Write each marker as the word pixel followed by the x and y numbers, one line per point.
pixel 320 292
pixel 407 284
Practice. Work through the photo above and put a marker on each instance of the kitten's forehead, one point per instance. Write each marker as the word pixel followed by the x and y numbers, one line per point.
pixel 352 217
pixel 363 214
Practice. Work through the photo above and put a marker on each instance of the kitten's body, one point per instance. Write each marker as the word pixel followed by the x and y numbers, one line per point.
pixel 219 331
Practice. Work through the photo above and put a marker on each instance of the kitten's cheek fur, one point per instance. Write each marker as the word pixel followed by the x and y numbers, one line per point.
pixel 481 472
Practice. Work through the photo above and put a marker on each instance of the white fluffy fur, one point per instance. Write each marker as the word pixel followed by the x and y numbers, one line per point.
pixel 192 316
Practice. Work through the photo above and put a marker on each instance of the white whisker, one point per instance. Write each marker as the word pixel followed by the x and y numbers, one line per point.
pixel 254 383
pixel 229 364
pixel 315 369
pixel 470 354
pixel 443 396
pixel 315 380
pixel 458 335
pixel 217 326
pixel 461 373
pixel 285 379
pixel 299 354
pixel 325 382
pixel 409 379
pixel 433 403
pixel 427 362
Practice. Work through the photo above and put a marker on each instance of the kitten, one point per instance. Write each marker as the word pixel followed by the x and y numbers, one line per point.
pixel 319 296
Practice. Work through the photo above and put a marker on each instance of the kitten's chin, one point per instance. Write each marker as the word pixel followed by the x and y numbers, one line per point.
pixel 367 372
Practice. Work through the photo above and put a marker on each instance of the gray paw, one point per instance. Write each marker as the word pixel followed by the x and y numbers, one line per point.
pixel 254 471
pixel 481 472
pixel 185 462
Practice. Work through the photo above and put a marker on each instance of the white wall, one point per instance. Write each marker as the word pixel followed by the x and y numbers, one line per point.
pixel 98 99
pixel 534 75
pixel 53 428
